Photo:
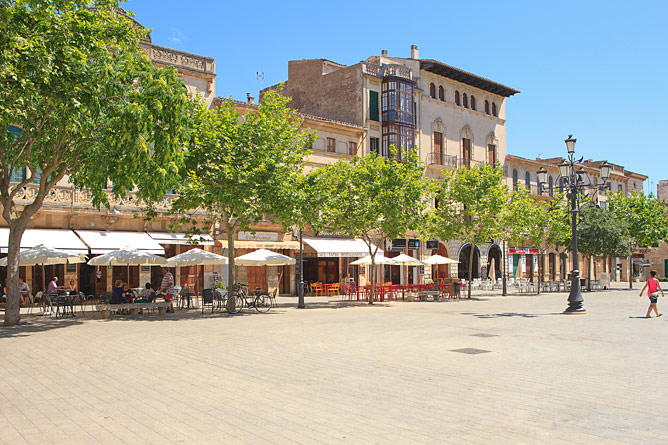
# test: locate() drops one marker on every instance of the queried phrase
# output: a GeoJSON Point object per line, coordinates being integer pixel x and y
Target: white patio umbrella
{"type": "Point", "coordinates": [127, 257]}
{"type": "Point", "coordinates": [44, 255]}
{"type": "Point", "coordinates": [379, 259]}
{"type": "Point", "coordinates": [264, 257]}
{"type": "Point", "coordinates": [405, 260]}
{"type": "Point", "coordinates": [438, 259]}
{"type": "Point", "coordinates": [196, 257]}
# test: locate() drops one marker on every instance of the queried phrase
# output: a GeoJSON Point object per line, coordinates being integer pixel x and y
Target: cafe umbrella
{"type": "Point", "coordinates": [196, 257]}
{"type": "Point", "coordinates": [127, 257]}
{"type": "Point", "coordinates": [44, 255]}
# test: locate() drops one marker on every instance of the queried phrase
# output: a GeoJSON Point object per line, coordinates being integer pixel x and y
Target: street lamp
{"type": "Point", "coordinates": [300, 271]}
{"type": "Point", "coordinates": [574, 182]}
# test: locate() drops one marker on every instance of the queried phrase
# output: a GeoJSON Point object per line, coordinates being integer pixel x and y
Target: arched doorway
{"type": "Point", "coordinates": [494, 253]}
{"type": "Point", "coordinates": [440, 270]}
{"type": "Point", "coordinates": [464, 255]}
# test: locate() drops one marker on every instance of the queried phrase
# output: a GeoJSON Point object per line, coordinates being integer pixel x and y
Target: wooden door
{"type": "Point", "coordinates": [257, 277]}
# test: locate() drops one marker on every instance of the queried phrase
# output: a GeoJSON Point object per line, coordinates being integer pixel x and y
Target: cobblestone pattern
{"type": "Point", "coordinates": [337, 372]}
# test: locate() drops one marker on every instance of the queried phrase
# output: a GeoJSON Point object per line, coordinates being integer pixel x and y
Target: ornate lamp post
{"type": "Point", "coordinates": [300, 271]}
{"type": "Point", "coordinates": [574, 182]}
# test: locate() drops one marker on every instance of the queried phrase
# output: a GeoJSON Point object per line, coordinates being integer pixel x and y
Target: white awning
{"type": "Point", "coordinates": [61, 239]}
{"type": "Point", "coordinates": [180, 238]}
{"type": "Point", "coordinates": [101, 242]}
{"type": "Point", "coordinates": [337, 247]}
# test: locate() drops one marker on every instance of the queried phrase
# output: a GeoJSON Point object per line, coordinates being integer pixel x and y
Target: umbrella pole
{"type": "Point", "coordinates": [43, 288]}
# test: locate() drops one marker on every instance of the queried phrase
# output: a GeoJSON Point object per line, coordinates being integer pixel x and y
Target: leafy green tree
{"type": "Point", "coordinates": [601, 233]}
{"type": "Point", "coordinates": [536, 223]}
{"type": "Point", "coordinates": [646, 217]}
{"type": "Point", "coordinates": [471, 203]}
{"type": "Point", "coordinates": [373, 198]}
{"type": "Point", "coordinates": [240, 168]}
{"type": "Point", "coordinates": [82, 101]}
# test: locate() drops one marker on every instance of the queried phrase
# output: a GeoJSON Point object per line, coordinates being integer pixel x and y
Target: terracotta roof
{"type": "Point", "coordinates": [451, 72]}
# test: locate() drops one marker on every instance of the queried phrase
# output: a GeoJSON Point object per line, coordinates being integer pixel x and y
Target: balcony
{"type": "Point", "coordinates": [387, 70]}
{"type": "Point", "coordinates": [437, 158]}
{"type": "Point", "coordinates": [69, 197]}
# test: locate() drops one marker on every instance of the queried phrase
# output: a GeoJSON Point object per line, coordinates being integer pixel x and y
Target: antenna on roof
{"type": "Point", "coordinates": [260, 77]}
{"type": "Point", "coordinates": [540, 154]}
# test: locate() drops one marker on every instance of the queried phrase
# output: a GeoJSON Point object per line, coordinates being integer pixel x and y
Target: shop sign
{"type": "Point", "coordinates": [413, 244]}
{"type": "Point", "coordinates": [258, 236]}
{"type": "Point", "coordinates": [432, 244]}
{"type": "Point", "coordinates": [399, 243]}
{"type": "Point", "coordinates": [523, 250]}
{"type": "Point", "coordinates": [524, 263]}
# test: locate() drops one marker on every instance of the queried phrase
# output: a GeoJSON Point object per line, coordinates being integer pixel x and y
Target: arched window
{"type": "Point", "coordinates": [487, 106]}
{"type": "Point", "coordinates": [472, 102]}
{"type": "Point", "coordinates": [441, 93]}
{"type": "Point", "coordinates": [550, 186]}
{"type": "Point", "coordinates": [527, 181]}
{"type": "Point", "coordinates": [515, 179]}
{"type": "Point", "coordinates": [494, 109]}
{"type": "Point", "coordinates": [457, 98]}
{"type": "Point", "coordinates": [465, 100]}
{"type": "Point", "coordinates": [432, 90]}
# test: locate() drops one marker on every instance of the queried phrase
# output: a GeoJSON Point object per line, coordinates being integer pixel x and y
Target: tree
{"type": "Point", "coordinates": [471, 202]}
{"type": "Point", "coordinates": [82, 101]}
{"type": "Point", "coordinates": [537, 223]}
{"type": "Point", "coordinates": [240, 168]}
{"type": "Point", "coordinates": [373, 198]}
{"type": "Point", "coordinates": [646, 217]}
{"type": "Point", "coordinates": [601, 233]}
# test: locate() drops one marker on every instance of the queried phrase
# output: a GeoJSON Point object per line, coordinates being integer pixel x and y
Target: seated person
{"type": "Point", "coordinates": [72, 289]}
{"type": "Point", "coordinates": [129, 294]}
{"type": "Point", "coordinates": [24, 290]}
{"type": "Point", "coordinates": [147, 295]}
{"type": "Point", "coordinates": [118, 294]}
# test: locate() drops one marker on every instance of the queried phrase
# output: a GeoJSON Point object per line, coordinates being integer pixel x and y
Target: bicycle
{"type": "Point", "coordinates": [236, 302]}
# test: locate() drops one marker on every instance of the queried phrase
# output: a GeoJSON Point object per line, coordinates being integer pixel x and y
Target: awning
{"type": "Point", "coordinates": [101, 242]}
{"type": "Point", "coordinates": [180, 238]}
{"type": "Point", "coordinates": [337, 247]}
{"type": "Point", "coordinates": [271, 245]}
{"type": "Point", "coordinates": [62, 239]}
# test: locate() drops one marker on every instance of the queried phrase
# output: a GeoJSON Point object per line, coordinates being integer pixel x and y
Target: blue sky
{"type": "Point", "coordinates": [595, 69]}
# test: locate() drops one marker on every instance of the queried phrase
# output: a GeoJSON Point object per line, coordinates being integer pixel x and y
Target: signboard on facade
{"type": "Point", "coordinates": [432, 244]}
{"type": "Point", "coordinates": [413, 244]}
{"type": "Point", "coordinates": [523, 250]}
{"type": "Point", "coordinates": [399, 243]}
{"type": "Point", "coordinates": [523, 261]}
{"type": "Point", "coordinates": [258, 236]}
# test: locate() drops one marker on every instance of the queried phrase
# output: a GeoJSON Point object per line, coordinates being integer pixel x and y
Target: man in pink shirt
{"type": "Point", "coordinates": [167, 286]}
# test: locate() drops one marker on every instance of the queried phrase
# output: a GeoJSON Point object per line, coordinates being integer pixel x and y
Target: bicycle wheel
{"type": "Point", "coordinates": [262, 303]}
{"type": "Point", "coordinates": [234, 304]}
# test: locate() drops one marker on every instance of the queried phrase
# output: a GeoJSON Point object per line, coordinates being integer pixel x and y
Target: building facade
{"type": "Point", "coordinates": [454, 118]}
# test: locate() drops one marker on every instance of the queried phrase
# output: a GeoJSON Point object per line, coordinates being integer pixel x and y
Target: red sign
{"type": "Point", "coordinates": [523, 250]}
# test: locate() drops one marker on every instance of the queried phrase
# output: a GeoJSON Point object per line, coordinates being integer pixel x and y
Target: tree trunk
{"type": "Point", "coordinates": [13, 306]}
{"type": "Point", "coordinates": [589, 260]}
{"type": "Point", "coordinates": [231, 270]}
{"type": "Point", "coordinates": [540, 270]}
{"type": "Point", "coordinates": [471, 269]}
{"type": "Point", "coordinates": [373, 278]}
{"type": "Point", "coordinates": [630, 268]}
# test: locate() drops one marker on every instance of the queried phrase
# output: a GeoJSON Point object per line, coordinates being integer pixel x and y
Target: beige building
{"type": "Point", "coordinates": [455, 118]}
{"type": "Point", "coordinates": [521, 172]}
{"type": "Point", "coordinates": [68, 220]}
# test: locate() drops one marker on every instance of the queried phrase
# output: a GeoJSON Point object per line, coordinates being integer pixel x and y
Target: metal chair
{"type": "Point", "coordinates": [208, 298]}
{"type": "Point", "coordinates": [80, 300]}
{"type": "Point", "coordinates": [50, 302]}
{"type": "Point", "coordinates": [272, 297]}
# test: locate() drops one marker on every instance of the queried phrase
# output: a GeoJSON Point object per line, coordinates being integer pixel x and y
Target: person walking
{"type": "Point", "coordinates": [653, 288]}
{"type": "Point", "coordinates": [167, 286]}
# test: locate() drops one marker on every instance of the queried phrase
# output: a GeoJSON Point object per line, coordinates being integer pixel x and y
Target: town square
{"type": "Point", "coordinates": [273, 227]}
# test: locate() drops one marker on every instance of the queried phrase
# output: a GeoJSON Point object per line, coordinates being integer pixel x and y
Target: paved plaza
{"type": "Point", "coordinates": [340, 372]}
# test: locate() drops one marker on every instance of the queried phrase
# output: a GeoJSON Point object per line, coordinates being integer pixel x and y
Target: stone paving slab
{"type": "Point", "coordinates": [342, 372]}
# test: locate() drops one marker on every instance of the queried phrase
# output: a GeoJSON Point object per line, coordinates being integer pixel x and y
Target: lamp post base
{"type": "Point", "coordinates": [575, 299]}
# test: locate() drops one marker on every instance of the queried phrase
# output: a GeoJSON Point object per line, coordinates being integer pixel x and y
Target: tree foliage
{"type": "Point", "coordinates": [240, 168]}
{"type": "Point", "coordinates": [471, 204]}
{"type": "Point", "coordinates": [88, 104]}
{"type": "Point", "coordinates": [373, 198]}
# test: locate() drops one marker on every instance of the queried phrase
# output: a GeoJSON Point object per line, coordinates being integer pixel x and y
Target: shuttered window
{"type": "Point", "coordinates": [373, 106]}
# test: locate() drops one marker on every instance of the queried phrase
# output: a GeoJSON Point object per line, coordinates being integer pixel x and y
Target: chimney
{"type": "Point", "coordinates": [383, 53]}
{"type": "Point", "coordinates": [251, 99]}
{"type": "Point", "coordinates": [414, 52]}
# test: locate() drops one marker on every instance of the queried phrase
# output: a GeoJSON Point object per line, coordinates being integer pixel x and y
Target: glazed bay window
{"type": "Point", "coordinates": [401, 136]}
{"type": "Point", "coordinates": [331, 145]}
{"type": "Point", "coordinates": [398, 113]}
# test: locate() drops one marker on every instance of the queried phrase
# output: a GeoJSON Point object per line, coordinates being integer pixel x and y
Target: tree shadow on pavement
{"type": "Point", "coordinates": [514, 314]}
{"type": "Point", "coordinates": [34, 325]}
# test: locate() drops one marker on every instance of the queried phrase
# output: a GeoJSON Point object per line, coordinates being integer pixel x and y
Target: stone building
{"type": "Point", "coordinates": [455, 118]}
{"type": "Point", "coordinates": [68, 220]}
{"type": "Point", "coordinates": [521, 172]}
